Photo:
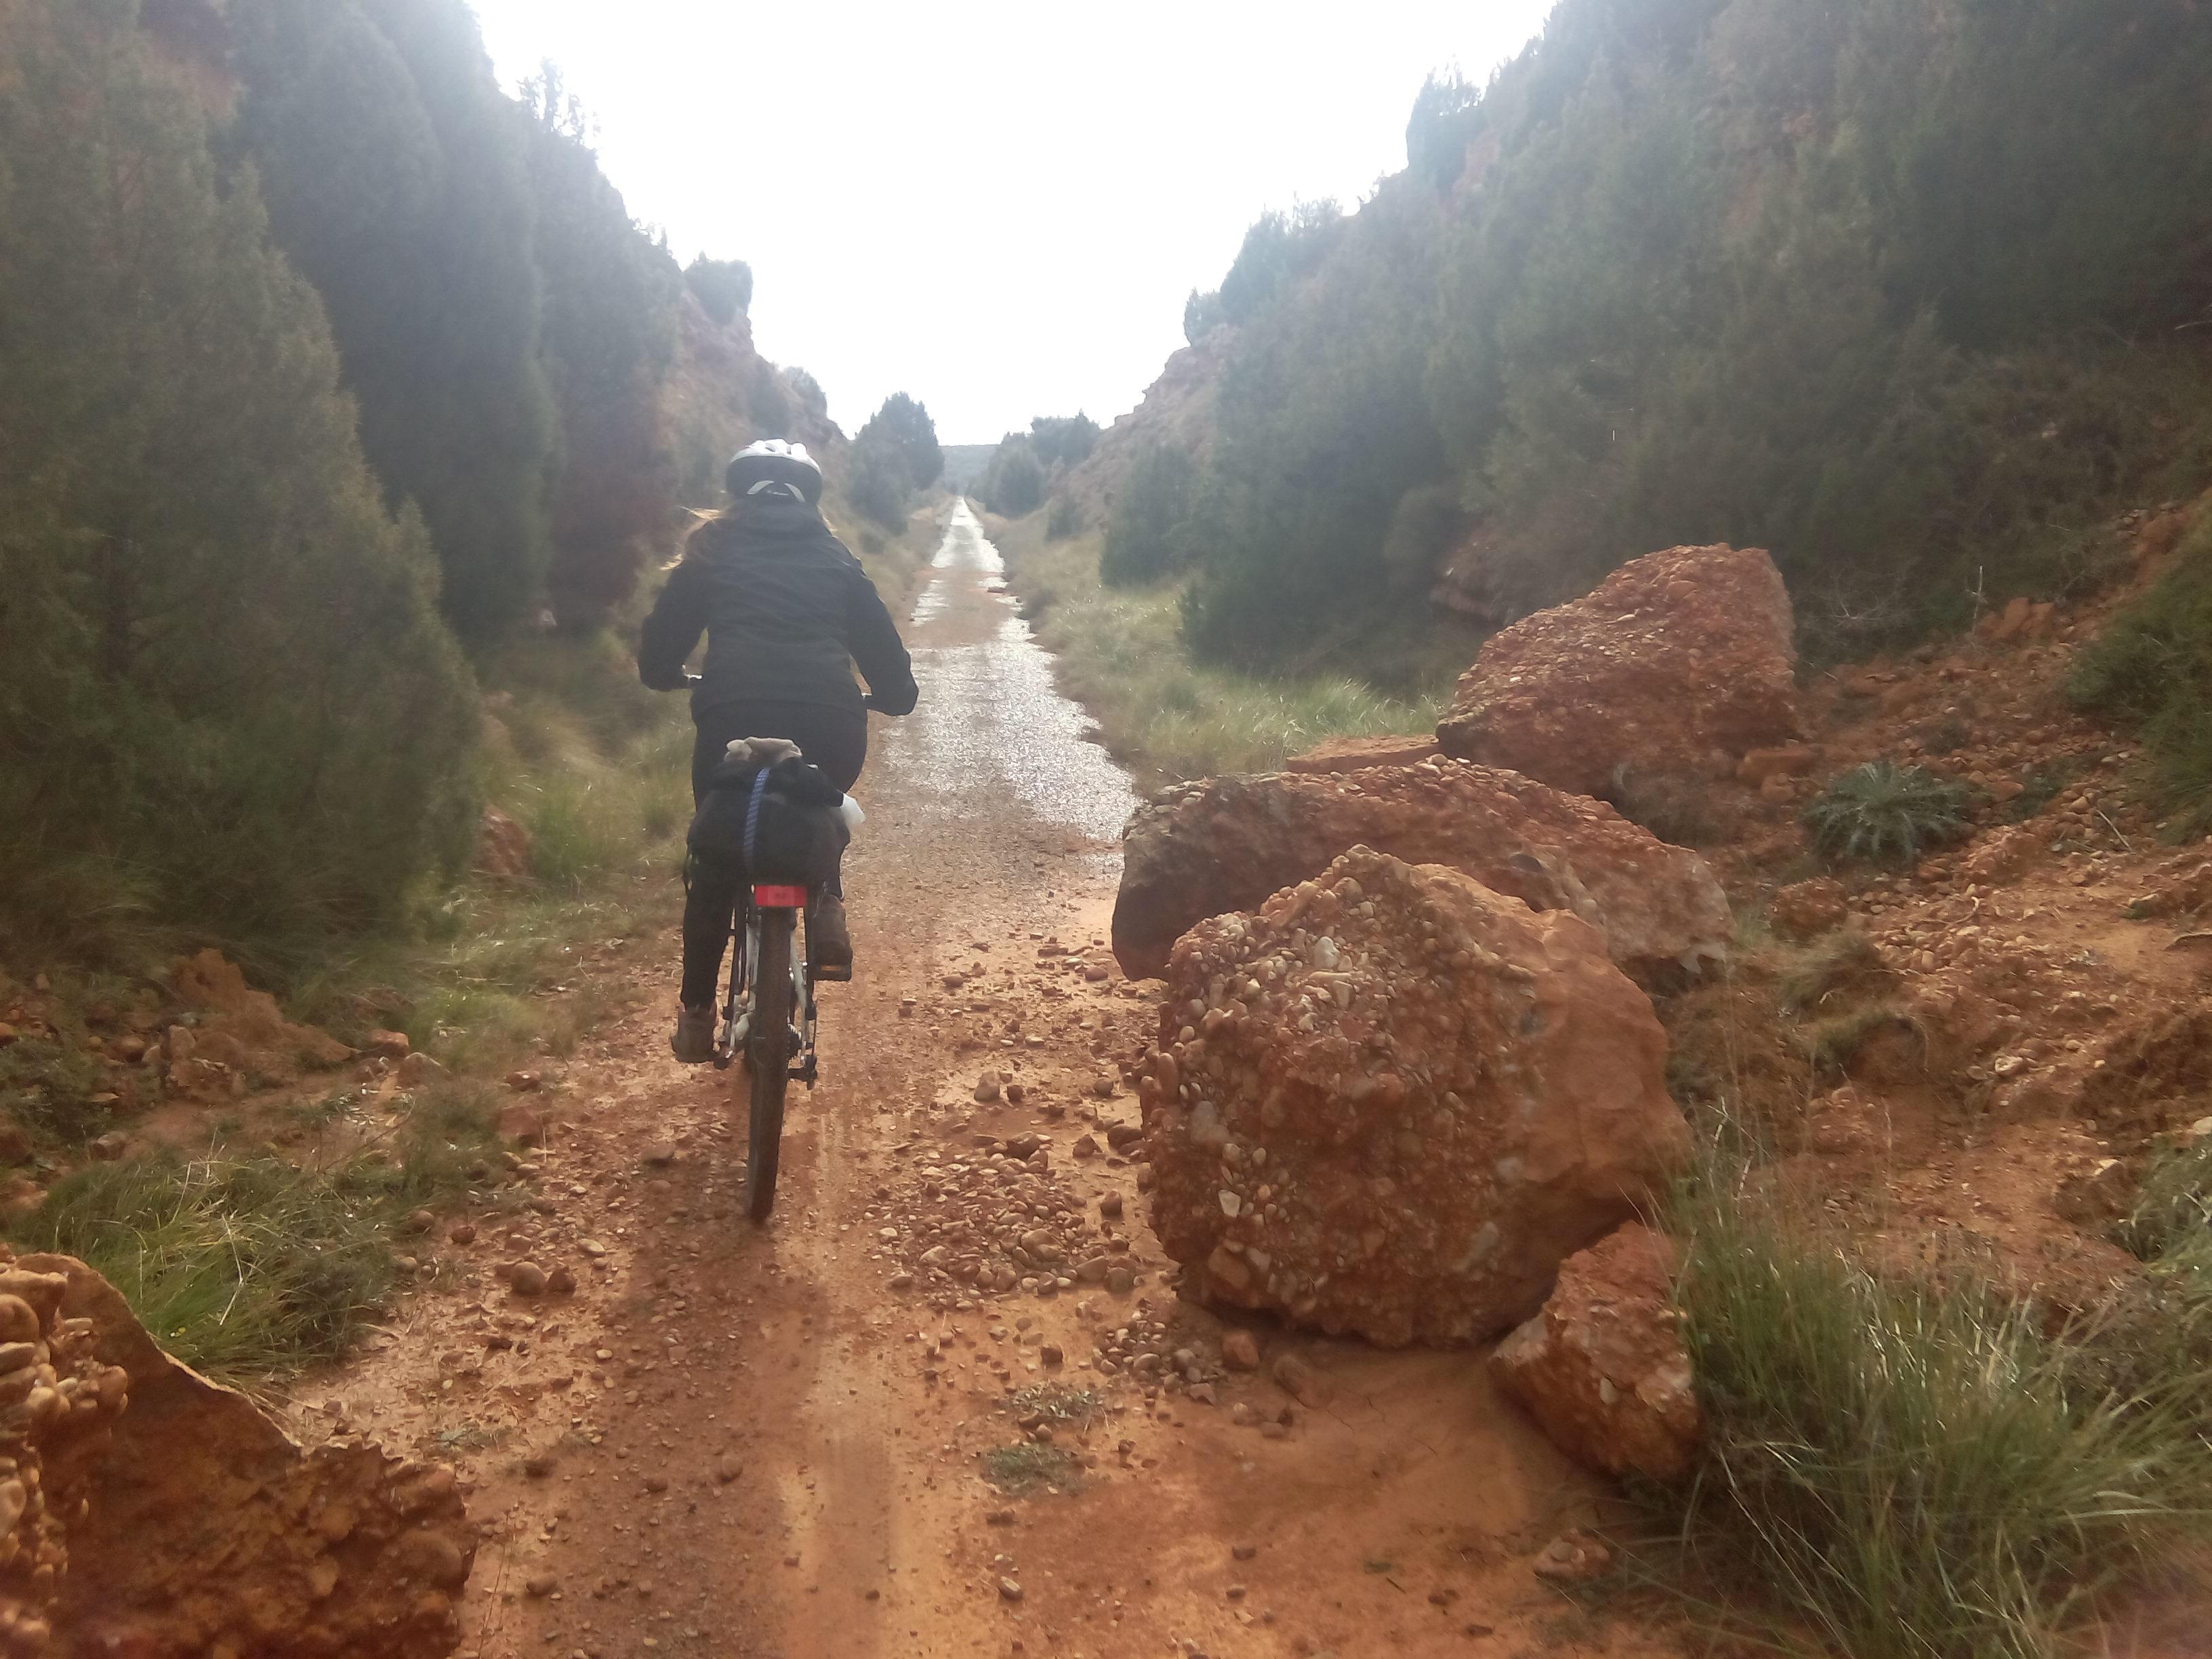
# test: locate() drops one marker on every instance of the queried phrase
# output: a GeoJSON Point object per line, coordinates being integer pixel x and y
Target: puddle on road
{"type": "Point", "coordinates": [991, 719]}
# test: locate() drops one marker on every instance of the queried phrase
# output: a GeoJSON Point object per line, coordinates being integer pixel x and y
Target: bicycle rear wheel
{"type": "Point", "coordinates": [768, 1049]}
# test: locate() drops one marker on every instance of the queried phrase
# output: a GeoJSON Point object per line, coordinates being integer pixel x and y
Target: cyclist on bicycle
{"type": "Point", "coordinates": [787, 611]}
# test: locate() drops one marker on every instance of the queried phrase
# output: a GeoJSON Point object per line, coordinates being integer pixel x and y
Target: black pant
{"type": "Point", "coordinates": [835, 740]}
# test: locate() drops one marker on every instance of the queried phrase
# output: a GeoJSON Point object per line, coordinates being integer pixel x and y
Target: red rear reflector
{"type": "Point", "coordinates": [779, 898]}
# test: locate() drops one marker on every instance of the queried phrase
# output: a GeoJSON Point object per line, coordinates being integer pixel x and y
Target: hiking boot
{"type": "Point", "coordinates": [694, 1042]}
{"type": "Point", "coordinates": [828, 945]}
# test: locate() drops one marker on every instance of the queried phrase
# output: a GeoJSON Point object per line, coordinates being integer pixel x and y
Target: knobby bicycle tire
{"type": "Point", "coordinates": [769, 1051]}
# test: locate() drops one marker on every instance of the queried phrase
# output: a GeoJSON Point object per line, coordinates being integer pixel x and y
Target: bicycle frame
{"type": "Point", "coordinates": [738, 1003]}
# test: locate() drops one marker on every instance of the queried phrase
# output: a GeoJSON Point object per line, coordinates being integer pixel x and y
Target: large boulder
{"type": "Point", "coordinates": [1679, 665]}
{"type": "Point", "coordinates": [1392, 1102]}
{"type": "Point", "coordinates": [1227, 844]}
{"type": "Point", "coordinates": [1604, 1369]}
{"type": "Point", "coordinates": [197, 1526]}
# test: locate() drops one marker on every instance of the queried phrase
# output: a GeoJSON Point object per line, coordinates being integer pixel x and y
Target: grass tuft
{"type": "Point", "coordinates": [2172, 1215]}
{"type": "Point", "coordinates": [1021, 1468]}
{"type": "Point", "coordinates": [2152, 670]}
{"type": "Point", "coordinates": [1913, 1472]}
{"type": "Point", "coordinates": [1883, 812]}
{"type": "Point", "coordinates": [1841, 966]}
{"type": "Point", "coordinates": [243, 1269]}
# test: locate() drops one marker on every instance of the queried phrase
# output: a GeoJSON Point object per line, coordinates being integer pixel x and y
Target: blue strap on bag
{"type": "Point", "coordinates": [752, 820]}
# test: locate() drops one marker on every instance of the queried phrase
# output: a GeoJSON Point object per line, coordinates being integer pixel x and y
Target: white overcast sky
{"type": "Point", "coordinates": [998, 207]}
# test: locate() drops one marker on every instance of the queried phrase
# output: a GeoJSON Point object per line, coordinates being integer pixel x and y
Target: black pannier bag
{"type": "Point", "coordinates": [775, 823]}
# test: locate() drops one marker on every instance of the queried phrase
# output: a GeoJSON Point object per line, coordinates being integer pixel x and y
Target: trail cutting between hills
{"type": "Point", "coordinates": [731, 1440]}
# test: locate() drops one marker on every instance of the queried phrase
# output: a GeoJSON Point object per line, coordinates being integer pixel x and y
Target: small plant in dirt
{"type": "Point", "coordinates": [1882, 813]}
{"type": "Point", "coordinates": [2039, 787]}
{"type": "Point", "coordinates": [2172, 1211]}
{"type": "Point", "coordinates": [1909, 1470]}
{"type": "Point", "coordinates": [1054, 1403]}
{"type": "Point", "coordinates": [1022, 1468]}
{"type": "Point", "coordinates": [1839, 968]}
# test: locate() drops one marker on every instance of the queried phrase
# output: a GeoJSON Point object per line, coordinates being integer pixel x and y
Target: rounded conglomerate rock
{"type": "Point", "coordinates": [1392, 1102]}
{"type": "Point", "coordinates": [1676, 658]}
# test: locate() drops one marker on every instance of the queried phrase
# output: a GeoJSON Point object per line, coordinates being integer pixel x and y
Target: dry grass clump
{"type": "Point", "coordinates": [1913, 1471]}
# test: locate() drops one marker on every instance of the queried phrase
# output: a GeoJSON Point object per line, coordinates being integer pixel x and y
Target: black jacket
{"type": "Point", "coordinates": [785, 609]}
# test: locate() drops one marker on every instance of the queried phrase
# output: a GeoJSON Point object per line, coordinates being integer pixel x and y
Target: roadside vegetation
{"type": "Point", "coordinates": [1882, 813]}
{"type": "Point", "coordinates": [1906, 1456]}
{"type": "Point", "coordinates": [1120, 652]}
{"type": "Point", "coordinates": [2152, 670]}
{"type": "Point", "coordinates": [1912, 1468]}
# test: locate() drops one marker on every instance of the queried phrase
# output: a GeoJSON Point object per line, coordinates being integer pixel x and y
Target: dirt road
{"type": "Point", "coordinates": [733, 1442]}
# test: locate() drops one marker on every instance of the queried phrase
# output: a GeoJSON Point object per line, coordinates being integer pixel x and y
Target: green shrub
{"type": "Point", "coordinates": [724, 288]}
{"type": "Point", "coordinates": [902, 429]}
{"type": "Point", "coordinates": [1911, 1471]}
{"type": "Point", "coordinates": [1148, 536]}
{"type": "Point", "coordinates": [2152, 670]}
{"type": "Point", "coordinates": [2172, 1210]}
{"type": "Point", "coordinates": [1909, 302]}
{"type": "Point", "coordinates": [1014, 483]}
{"type": "Point", "coordinates": [1065, 520]}
{"type": "Point", "coordinates": [877, 484]}
{"type": "Point", "coordinates": [1201, 315]}
{"type": "Point", "coordinates": [397, 173]}
{"type": "Point", "coordinates": [226, 701]}
{"type": "Point", "coordinates": [1064, 440]}
{"type": "Point", "coordinates": [47, 1087]}
{"type": "Point", "coordinates": [1884, 812]}
{"type": "Point", "coordinates": [244, 1268]}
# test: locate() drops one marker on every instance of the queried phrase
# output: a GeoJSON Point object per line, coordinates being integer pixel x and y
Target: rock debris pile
{"type": "Point", "coordinates": [191, 1524]}
{"type": "Point", "coordinates": [1391, 1102]}
{"type": "Point", "coordinates": [998, 1222]}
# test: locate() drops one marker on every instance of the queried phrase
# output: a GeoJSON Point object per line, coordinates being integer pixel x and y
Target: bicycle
{"type": "Point", "coordinates": [769, 983]}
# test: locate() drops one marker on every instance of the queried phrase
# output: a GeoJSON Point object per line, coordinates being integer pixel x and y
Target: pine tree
{"type": "Point", "coordinates": [903, 425]}
{"type": "Point", "coordinates": [610, 337]}
{"type": "Point", "coordinates": [397, 176]}
{"type": "Point", "coordinates": [227, 701]}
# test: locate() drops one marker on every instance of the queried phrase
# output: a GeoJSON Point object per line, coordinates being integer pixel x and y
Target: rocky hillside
{"type": "Point", "coordinates": [1176, 411]}
{"type": "Point", "coordinates": [1887, 963]}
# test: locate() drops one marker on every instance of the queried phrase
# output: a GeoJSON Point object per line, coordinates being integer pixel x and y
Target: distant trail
{"type": "Point", "coordinates": [751, 1444]}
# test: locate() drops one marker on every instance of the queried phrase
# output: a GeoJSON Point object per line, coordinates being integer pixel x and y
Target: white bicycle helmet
{"type": "Point", "coordinates": [773, 467]}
